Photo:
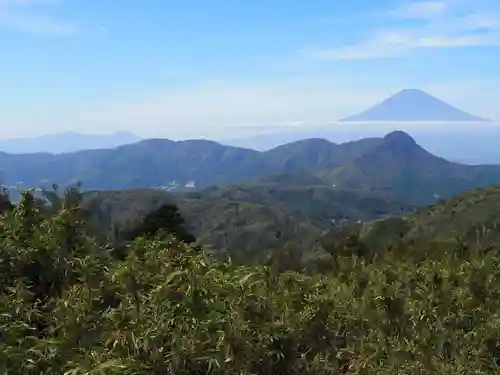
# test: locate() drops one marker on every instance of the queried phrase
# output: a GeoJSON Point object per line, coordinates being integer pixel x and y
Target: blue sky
{"type": "Point", "coordinates": [191, 68]}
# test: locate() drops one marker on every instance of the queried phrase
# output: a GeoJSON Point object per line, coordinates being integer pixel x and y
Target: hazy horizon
{"type": "Point", "coordinates": [350, 130]}
{"type": "Point", "coordinates": [180, 69]}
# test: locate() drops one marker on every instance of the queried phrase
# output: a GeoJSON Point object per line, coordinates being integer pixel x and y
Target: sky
{"type": "Point", "coordinates": [224, 68]}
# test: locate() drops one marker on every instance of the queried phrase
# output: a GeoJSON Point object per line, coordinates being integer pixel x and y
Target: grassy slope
{"type": "Point", "coordinates": [469, 215]}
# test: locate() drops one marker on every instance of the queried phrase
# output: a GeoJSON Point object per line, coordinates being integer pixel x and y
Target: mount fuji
{"type": "Point", "coordinates": [413, 105]}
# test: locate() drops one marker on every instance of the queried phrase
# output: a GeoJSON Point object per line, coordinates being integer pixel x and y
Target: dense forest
{"type": "Point", "coordinates": [154, 302]}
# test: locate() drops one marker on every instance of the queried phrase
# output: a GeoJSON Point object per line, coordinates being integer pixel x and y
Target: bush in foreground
{"type": "Point", "coordinates": [67, 307]}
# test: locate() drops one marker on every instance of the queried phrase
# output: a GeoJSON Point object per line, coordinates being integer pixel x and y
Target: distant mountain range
{"type": "Point", "coordinates": [470, 143]}
{"type": "Point", "coordinates": [394, 165]}
{"type": "Point", "coordinates": [439, 127]}
{"type": "Point", "coordinates": [413, 105]}
{"type": "Point", "coordinates": [67, 142]}
{"type": "Point", "coordinates": [163, 163]}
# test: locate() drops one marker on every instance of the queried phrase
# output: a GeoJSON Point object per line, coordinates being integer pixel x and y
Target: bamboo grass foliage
{"type": "Point", "coordinates": [67, 306]}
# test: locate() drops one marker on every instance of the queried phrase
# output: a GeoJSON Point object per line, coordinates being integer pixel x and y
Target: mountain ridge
{"type": "Point", "coordinates": [394, 165]}
{"type": "Point", "coordinates": [404, 169]}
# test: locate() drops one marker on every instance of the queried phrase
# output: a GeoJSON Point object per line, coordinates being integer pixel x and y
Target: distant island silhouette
{"type": "Point", "coordinates": [413, 105]}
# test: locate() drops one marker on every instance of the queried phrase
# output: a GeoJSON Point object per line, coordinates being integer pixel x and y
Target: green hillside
{"type": "Point", "coordinates": [248, 218]}
{"type": "Point", "coordinates": [320, 204]}
{"type": "Point", "coordinates": [472, 218]}
{"type": "Point", "coordinates": [239, 227]}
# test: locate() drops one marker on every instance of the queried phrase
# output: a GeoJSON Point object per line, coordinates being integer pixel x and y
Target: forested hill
{"type": "Point", "coordinates": [394, 165]}
{"type": "Point", "coordinates": [248, 220]}
{"type": "Point", "coordinates": [164, 163]}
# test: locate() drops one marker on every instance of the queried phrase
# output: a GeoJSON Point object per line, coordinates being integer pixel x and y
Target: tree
{"type": "Point", "coordinates": [166, 218]}
{"type": "Point", "coordinates": [5, 203]}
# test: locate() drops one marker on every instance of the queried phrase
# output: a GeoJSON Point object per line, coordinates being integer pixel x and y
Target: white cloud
{"type": "Point", "coordinates": [440, 24]}
{"type": "Point", "coordinates": [421, 10]}
{"type": "Point", "coordinates": [24, 16]}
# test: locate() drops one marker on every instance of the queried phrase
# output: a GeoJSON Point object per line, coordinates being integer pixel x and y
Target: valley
{"type": "Point", "coordinates": [250, 219]}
